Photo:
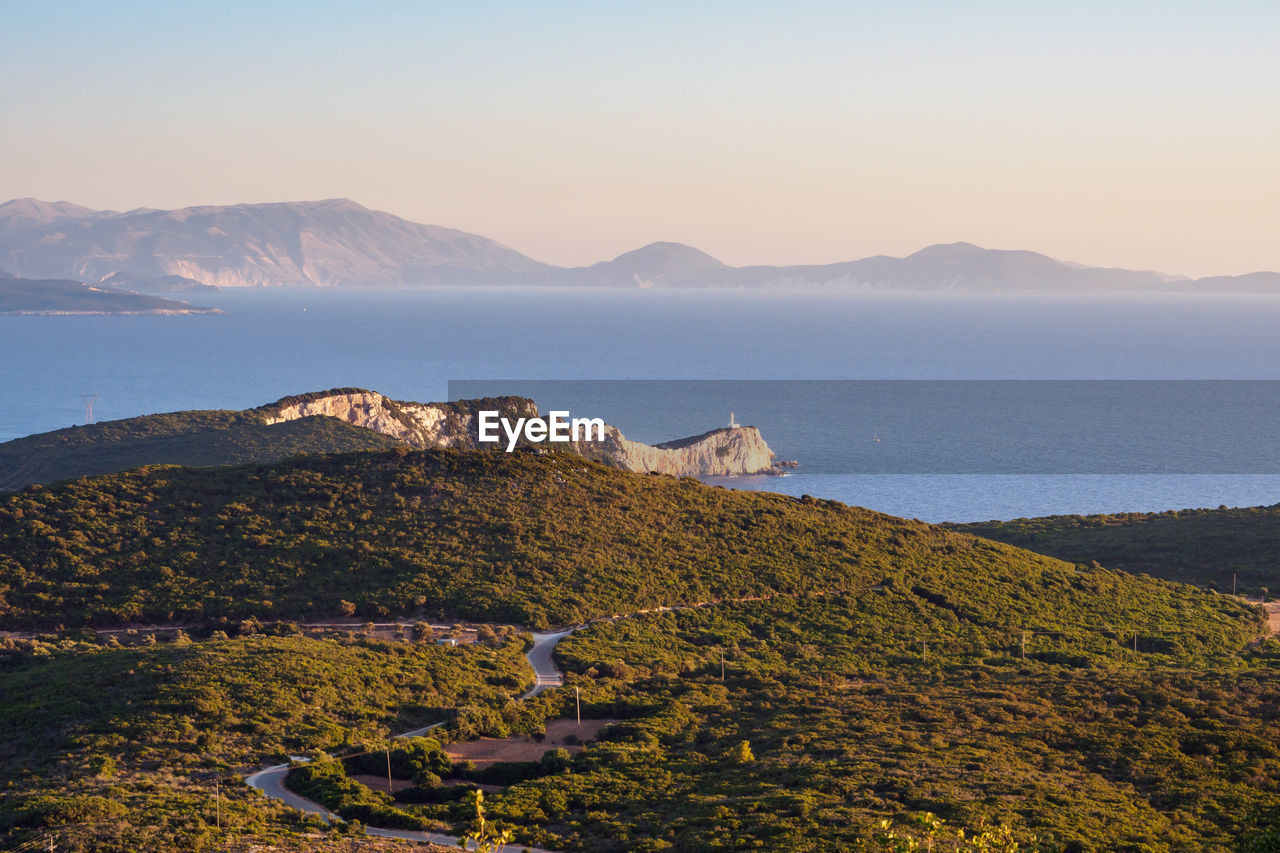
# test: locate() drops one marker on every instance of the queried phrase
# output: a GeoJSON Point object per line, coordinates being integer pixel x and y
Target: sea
{"type": "Point", "coordinates": [937, 406]}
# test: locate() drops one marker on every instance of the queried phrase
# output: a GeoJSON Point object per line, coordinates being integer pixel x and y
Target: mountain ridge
{"type": "Point", "coordinates": [339, 242]}
{"type": "Point", "coordinates": [323, 243]}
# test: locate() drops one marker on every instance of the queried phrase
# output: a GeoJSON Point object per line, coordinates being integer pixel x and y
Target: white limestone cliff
{"type": "Point", "coordinates": [724, 452]}
{"type": "Point", "coordinates": [421, 425]}
{"type": "Point", "coordinates": [719, 453]}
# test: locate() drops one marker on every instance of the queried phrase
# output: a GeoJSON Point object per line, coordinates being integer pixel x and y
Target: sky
{"type": "Point", "coordinates": [1136, 134]}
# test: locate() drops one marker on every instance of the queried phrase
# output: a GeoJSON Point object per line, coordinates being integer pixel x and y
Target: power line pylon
{"type": "Point", "coordinates": [89, 400]}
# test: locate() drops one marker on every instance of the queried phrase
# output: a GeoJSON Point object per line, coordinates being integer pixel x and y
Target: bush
{"type": "Point", "coordinates": [57, 811]}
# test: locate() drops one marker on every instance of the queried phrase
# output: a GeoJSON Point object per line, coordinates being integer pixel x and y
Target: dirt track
{"type": "Point", "coordinates": [1273, 615]}
{"type": "Point", "coordinates": [522, 747]}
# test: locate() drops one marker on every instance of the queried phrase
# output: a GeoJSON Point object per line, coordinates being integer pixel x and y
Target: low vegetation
{"type": "Point", "coordinates": [1218, 548]}
{"type": "Point", "coordinates": [872, 721]}
{"type": "Point", "coordinates": [124, 747]}
{"type": "Point", "coordinates": [878, 706]}
{"type": "Point", "coordinates": [845, 680]}
{"type": "Point", "coordinates": [224, 438]}
{"type": "Point", "coordinates": [181, 438]}
{"type": "Point", "coordinates": [536, 539]}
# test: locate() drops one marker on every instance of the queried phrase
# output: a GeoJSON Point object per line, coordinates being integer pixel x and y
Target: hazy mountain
{"type": "Point", "coordinates": [960, 267]}
{"type": "Point", "coordinates": [654, 264]}
{"type": "Point", "coordinates": [338, 242]}
{"type": "Point", "coordinates": [950, 267]}
{"type": "Point", "coordinates": [1254, 282]}
{"type": "Point", "coordinates": [299, 243]}
{"type": "Point", "coordinates": [33, 211]}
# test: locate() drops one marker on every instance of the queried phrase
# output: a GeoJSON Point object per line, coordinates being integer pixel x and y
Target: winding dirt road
{"type": "Point", "coordinates": [270, 780]}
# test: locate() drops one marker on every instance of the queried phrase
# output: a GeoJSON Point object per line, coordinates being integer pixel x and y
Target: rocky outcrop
{"type": "Point", "coordinates": [724, 452]}
{"type": "Point", "coordinates": [719, 453]}
{"type": "Point", "coordinates": [421, 425]}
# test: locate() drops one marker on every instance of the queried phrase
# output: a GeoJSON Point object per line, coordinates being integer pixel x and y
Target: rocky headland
{"type": "Point", "coordinates": [725, 452]}
{"type": "Point", "coordinates": [56, 296]}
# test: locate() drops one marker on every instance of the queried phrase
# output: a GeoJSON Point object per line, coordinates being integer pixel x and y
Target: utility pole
{"type": "Point", "coordinates": [1233, 583]}
{"type": "Point", "coordinates": [1024, 645]}
{"type": "Point", "coordinates": [722, 665]}
{"type": "Point", "coordinates": [388, 768]}
{"type": "Point", "coordinates": [577, 698]}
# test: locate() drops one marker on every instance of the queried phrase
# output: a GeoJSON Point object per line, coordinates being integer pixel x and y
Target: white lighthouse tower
{"type": "Point", "coordinates": [733, 424]}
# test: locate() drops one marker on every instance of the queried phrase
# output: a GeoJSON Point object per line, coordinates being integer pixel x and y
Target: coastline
{"type": "Point", "coordinates": [152, 312]}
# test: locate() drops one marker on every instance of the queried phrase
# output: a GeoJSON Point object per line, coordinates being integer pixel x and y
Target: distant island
{"type": "Point", "coordinates": [337, 242]}
{"type": "Point", "coordinates": [60, 296]}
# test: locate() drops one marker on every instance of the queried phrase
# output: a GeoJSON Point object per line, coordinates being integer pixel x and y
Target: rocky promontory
{"type": "Point", "coordinates": [726, 452]}
{"type": "Point", "coordinates": [348, 420]}
{"type": "Point", "coordinates": [420, 425]}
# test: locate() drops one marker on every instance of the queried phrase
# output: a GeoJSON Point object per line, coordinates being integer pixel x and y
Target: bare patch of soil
{"type": "Point", "coordinates": [1273, 615]}
{"type": "Point", "coordinates": [379, 783]}
{"type": "Point", "coordinates": [523, 747]}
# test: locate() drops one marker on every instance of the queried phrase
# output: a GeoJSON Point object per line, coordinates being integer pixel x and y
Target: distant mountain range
{"type": "Point", "coordinates": [340, 243]}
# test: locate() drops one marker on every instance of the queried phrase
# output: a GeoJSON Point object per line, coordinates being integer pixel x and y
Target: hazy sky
{"type": "Point", "coordinates": [1117, 133]}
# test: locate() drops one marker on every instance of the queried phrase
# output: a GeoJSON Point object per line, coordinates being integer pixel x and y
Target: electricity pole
{"type": "Point", "coordinates": [89, 400]}
{"type": "Point", "coordinates": [722, 665]}
{"type": "Point", "coordinates": [577, 698]}
{"type": "Point", "coordinates": [388, 768]}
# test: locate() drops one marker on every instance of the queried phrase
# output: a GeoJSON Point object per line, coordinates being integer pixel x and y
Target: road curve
{"type": "Point", "coordinates": [270, 780]}
{"type": "Point", "coordinates": [545, 673]}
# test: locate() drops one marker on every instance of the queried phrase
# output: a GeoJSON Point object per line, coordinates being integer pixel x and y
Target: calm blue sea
{"type": "Point", "coordinates": [411, 344]}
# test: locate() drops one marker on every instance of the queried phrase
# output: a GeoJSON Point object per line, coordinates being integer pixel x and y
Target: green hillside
{"type": "Point", "coordinates": [219, 437]}
{"type": "Point", "coordinates": [868, 707]}
{"type": "Point", "coordinates": [889, 668]}
{"type": "Point", "coordinates": [530, 538]}
{"type": "Point", "coordinates": [1199, 546]}
{"type": "Point", "coordinates": [116, 747]}
{"type": "Point", "coordinates": [180, 438]}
